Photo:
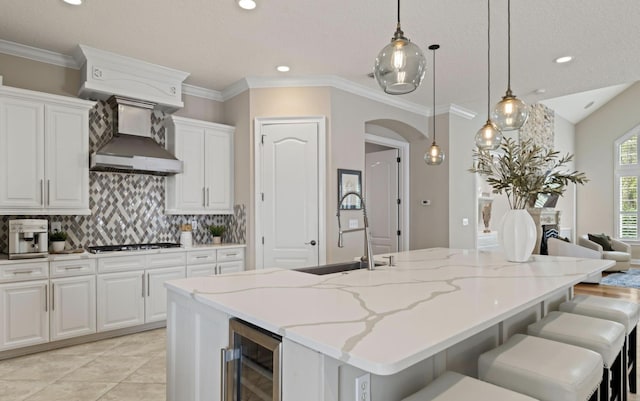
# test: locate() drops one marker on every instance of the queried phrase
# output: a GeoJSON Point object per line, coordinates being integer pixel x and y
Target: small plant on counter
{"type": "Point", "coordinates": [58, 236]}
{"type": "Point", "coordinates": [216, 233]}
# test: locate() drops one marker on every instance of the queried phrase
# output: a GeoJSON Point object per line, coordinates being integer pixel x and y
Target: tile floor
{"type": "Point", "coordinates": [128, 368]}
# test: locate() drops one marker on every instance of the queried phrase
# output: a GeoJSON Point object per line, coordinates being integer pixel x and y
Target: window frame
{"type": "Point", "coordinates": [620, 171]}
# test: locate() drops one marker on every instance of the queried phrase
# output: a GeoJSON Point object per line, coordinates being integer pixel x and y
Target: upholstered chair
{"type": "Point", "coordinates": [621, 252]}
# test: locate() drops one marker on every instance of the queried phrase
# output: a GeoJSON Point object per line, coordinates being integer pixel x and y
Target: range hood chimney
{"type": "Point", "coordinates": [132, 150]}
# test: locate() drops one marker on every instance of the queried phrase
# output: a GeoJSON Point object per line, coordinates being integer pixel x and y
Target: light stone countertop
{"type": "Point", "coordinates": [385, 320]}
{"type": "Point", "coordinates": [4, 258]}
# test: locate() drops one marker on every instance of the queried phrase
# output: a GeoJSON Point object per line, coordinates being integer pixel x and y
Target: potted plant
{"type": "Point", "coordinates": [216, 233]}
{"type": "Point", "coordinates": [522, 170]}
{"type": "Point", "coordinates": [58, 240]}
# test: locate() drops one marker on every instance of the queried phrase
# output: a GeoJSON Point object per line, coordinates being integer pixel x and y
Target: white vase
{"type": "Point", "coordinates": [517, 235]}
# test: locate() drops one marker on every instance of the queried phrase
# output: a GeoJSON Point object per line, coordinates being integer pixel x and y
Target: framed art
{"type": "Point", "coordinates": [349, 181]}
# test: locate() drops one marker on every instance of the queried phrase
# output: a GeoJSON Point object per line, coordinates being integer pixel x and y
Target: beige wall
{"type": "Point", "coordinates": [33, 75]}
{"type": "Point", "coordinates": [201, 109]}
{"type": "Point", "coordinates": [594, 143]}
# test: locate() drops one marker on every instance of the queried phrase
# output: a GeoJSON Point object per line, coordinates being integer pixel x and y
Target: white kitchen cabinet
{"type": "Point", "coordinates": [209, 262]}
{"type": "Point", "coordinates": [230, 267]}
{"type": "Point", "coordinates": [120, 300]}
{"type": "Point", "coordinates": [44, 149]}
{"type": "Point", "coordinates": [202, 270]}
{"type": "Point", "coordinates": [156, 296]}
{"type": "Point", "coordinates": [206, 184]}
{"type": "Point", "coordinates": [73, 306]}
{"type": "Point", "coordinates": [24, 314]}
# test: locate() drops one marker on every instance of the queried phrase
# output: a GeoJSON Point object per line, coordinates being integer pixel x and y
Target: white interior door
{"type": "Point", "coordinates": [381, 193]}
{"type": "Point", "coordinates": [289, 176]}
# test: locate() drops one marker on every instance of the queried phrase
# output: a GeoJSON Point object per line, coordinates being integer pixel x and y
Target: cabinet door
{"type": "Point", "coordinates": [120, 300]}
{"type": "Point", "coordinates": [156, 297]}
{"type": "Point", "coordinates": [219, 170]}
{"type": "Point", "coordinates": [24, 316]}
{"type": "Point", "coordinates": [67, 164]}
{"type": "Point", "coordinates": [201, 270]}
{"type": "Point", "coordinates": [73, 307]}
{"type": "Point", "coordinates": [230, 267]}
{"type": "Point", "coordinates": [190, 185]}
{"type": "Point", "coordinates": [21, 154]}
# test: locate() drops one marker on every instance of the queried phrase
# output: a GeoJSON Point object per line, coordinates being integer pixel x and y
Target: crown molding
{"type": "Point", "coordinates": [49, 57]}
{"type": "Point", "coordinates": [36, 54]}
{"type": "Point", "coordinates": [204, 93]}
{"type": "Point", "coordinates": [462, 112]}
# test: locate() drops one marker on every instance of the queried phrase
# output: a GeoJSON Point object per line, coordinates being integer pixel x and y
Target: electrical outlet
{"type": "Point", "coordinates": [56, 226]}
{"type": "Point", "coordinates": [194, 225]}
{"type": "Point", "coordinates": [465, 221]}
{"type": "Point", "coordinates": [363, 387]}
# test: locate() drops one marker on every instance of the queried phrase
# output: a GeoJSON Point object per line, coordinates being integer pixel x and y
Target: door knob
{"type": "Point", "coordinates": [312, 243]}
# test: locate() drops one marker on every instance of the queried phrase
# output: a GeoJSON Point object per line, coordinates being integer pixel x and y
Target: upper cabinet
{"type": "Point", "coordinates": [44, 153]}
{"type": "Point", "coordinates": [206, 185]}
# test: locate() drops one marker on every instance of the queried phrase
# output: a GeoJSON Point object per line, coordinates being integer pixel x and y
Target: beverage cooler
{"type": "Point", "coordinates": [251, 370]}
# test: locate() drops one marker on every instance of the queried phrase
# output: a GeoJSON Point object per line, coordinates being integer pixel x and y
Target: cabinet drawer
{"type": "Point", "coordinates": [200, 257]}
{"type": "Point", "coordinates": [201, 270]}
{"type": "Point", "coordinates": [227, 255]}
{"type": "Point", "coordinates": [24, 271]}
{"type": "Point", "coordinates": [78, 267]}
{"type": "Point", "coordinates": [166, 260]}
{"type": "Point", "coordinates": [122, 263]}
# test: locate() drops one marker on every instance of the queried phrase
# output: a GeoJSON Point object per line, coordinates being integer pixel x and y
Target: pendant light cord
{"type": "Point", "coordinates": [509, 45]}
{"type": "Point", "coordinates": [433, 112]}
{"type": "Point", "coordinates": [398, 14]}
{"type": "Point", "coordinates": [488, 59]}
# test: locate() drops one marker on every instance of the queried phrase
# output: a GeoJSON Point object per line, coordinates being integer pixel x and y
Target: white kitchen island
{"type": "Point", "coordinates": [436, 309]}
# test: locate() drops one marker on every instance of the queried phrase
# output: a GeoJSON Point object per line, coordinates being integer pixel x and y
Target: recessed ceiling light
{"type": "Point", "coordinates": [247, 4]}
{"type": "Point", "coordinates": [73, 2]}
{"type": "Point", "coordinates": [563, 59]}
{"type": "Point", "coordinates": [283, 68]}
{"type": "Point", "coordinates": [540, 91]}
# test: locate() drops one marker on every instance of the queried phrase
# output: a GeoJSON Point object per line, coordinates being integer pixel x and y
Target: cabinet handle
{"type": "Point", "coordinates": [46, 298]}
{"type": "Point", "coordinates": [231, 254]}
{"type": "Point", "coordinates": [53, 296]}
{"type": "Point", "coordinates": [42, 192]}
{"type": "Point", "coordinates": [23, 272]}
{"type": "Point", "coordinates": [73, 267]}
{"type": "Point", "coordinates": [207, 196]}
{"type": "Point", "coordinates": [148, 286]}
{"type": "Point", "coordinates": [142, 285]}
{"type": "Point", "coordinates": [204, 197]}
{"type": "Point", "coordinates": [48, 192]}
{"type": "Point", "coordinates": [223, 374]}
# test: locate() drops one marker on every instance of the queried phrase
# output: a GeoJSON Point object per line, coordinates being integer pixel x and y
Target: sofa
{"type": "Point", "coordinates": [558, 247]}
{"type": "Point", "coordinates": [621, 252]}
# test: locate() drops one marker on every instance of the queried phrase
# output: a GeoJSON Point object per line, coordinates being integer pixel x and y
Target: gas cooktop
{"type": "Point", "coordinates": [131, 247]}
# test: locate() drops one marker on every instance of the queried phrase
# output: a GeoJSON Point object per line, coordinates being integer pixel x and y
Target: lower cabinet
{"type": "Point", "coordinates": [231, 267]}
{"type": "Point", "coordinates": [201, 270]}
{"type": "Point", "coordinates": [134, 298]}
{"type": "Point", "coordinates": [120, 300]}
{"type": "Point", "coordinates": [156, 294]}
{"type": "Point", "coordinates": [24, 314]}
{"type": "Point", "coordinates": [73, 307]}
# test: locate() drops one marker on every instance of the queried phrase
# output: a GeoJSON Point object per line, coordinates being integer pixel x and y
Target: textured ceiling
{"type": "Point", "coordinates": [219, 43]}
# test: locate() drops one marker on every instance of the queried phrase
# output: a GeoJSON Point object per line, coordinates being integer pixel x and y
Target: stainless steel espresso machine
{"type": "Point", "coordinates": [28, 238]}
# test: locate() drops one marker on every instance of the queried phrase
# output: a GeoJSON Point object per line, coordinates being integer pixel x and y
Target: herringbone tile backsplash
{"type": "Point", "coordinates": [129, 208]}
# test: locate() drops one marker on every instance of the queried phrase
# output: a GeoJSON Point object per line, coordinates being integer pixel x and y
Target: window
{"type": "Point", "coordinates": [626, 183]}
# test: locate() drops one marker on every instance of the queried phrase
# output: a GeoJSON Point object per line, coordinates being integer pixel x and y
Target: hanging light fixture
{"type": "Point", "coordinates": [510, 113]}
{"type": "Point", "coordinates": [400, 65]}
{"type": "Point", "coordinates": [489, 136]}
{"type": "Point", "coordinates": [435, 155]}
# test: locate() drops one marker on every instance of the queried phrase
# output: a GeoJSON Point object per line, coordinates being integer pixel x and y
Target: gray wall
{"type": "Point", "coordinates": [595, 137]}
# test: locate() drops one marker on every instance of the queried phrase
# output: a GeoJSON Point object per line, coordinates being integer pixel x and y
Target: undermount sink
{"type": "Point", "coordinates": [336, 267]}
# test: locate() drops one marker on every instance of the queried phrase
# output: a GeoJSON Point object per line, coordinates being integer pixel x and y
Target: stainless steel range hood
{"type": "Point", "coordinates": [132, 149]}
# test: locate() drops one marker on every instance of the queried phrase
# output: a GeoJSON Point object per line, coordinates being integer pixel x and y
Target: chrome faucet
{"type": "Point", "coordinates": [367, 233]}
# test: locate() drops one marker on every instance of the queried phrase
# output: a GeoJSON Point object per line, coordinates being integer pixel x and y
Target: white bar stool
{"type": "Point", "coordinates": [451, 386]}
{"type": "Point", "coordinates": [602, 336]}
{"type": "Point", "coordinates": [543, 369]}
{"type": "Point", "coordinates": [626, 313]}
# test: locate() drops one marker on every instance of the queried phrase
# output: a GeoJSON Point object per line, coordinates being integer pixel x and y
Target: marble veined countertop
{"type": "Point", "coordinates": [385, 320]}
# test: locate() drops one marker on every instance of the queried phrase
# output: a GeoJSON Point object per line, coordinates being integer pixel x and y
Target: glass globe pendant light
{"type": "Point", "coordinates": [510, 113]}
{"type": "Point", "coordinates": [400, 65]}
{"type": "Point", "coordinates": [435, 155]}
{"type": "Point", "coordinates": [489, 136]}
